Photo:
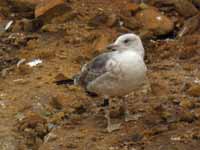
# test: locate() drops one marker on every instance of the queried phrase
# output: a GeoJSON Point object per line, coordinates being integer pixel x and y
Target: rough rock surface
{"type": "Point", "coordinates": [39, 114]}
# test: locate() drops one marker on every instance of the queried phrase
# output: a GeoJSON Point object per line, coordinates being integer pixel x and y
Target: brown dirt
{"type": "Point", "coordinates": [38, 114]}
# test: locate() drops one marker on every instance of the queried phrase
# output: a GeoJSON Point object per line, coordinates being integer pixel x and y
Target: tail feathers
{"type": "Point", "coordinates": [73, 81]}
{"type": "Point", "coordinates": [64, 82]}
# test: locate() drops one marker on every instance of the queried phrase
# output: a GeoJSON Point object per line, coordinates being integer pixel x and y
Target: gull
{"type": "Point", "coordinates": [115, 73]}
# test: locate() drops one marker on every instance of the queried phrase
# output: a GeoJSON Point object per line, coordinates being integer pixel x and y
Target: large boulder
{"type": "Point", "coordinates": [154, 21]}
{"type": "Point", "coordinates": [48, 9]}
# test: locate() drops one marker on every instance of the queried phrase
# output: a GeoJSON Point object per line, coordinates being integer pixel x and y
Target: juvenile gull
{"type": "Point", "coordinates": [115, 73]}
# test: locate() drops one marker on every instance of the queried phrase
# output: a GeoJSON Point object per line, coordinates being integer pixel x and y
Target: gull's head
{"type": "Point", "coordinates": [128, 41]}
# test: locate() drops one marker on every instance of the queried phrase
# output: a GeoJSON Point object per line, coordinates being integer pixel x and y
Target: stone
{"type": "Point", "coordinates": [190, 25]}
{"type": "Point", "coordinates": [187, 116]}
{"type": "Point", "coordinates": [130, 22]}
{"type": "Point", "coordinates": [31, 120]}
{"type": "Point", "coordinates": [133, 7]}
{"type": "Point", "coordinates": [2, 17]}
{"type": "Point", "coordinates": [194, 90]}
{"type": "Point", "coordinates": [103, 19]}
{"type": "Point", "coordinates": [112, 20]}
{"type": "Point", "coordinates": [101, 42]}
{"type": "Point", "coordinates": [197, 113]}
{"type": "Point", "coordinates": [136, 137]}
{"type": "Point", "coordinates": [159, 89]}
{"type": "Point", "coordinates": [33, 2]}
{"type": "Point", "coordinates": [24, 7]}
{"type": "Point", "coordinates": [99, 19]}
{"type": "Point", "coordinates": [159, 129]}
{"type": "Point", "coordinates": [57, 117]}
{"type": "Point", "coordinates": [23, 25]}
{"type": "Point", "coordinates": [185, 8]}
{"type": "Point", "coordinates": [2, 23]}
{"type": "Point", "coordinates": [186, 104]}
{"type": "Point", "coordinates": [47, 10]}
{"type": "Point", "coordinates": [169, 117]}
{"type": "Point", "coordinates": [56, 102]}
{"type": "Point", "coordinates": [196, 3]}
{"type": "Point", "coordinates": [152, 20]}
{"type": "Point", "coordinates": [8, 139]}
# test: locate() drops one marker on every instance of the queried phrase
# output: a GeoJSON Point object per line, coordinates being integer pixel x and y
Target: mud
{"type": "Point", "coordinates": [38, 114]}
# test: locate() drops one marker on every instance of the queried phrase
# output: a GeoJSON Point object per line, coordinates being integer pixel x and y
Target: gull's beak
{"type": "Point", "coordinates": [112, 47]}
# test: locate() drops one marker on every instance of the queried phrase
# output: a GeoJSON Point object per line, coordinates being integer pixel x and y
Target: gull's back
{"type": "Point", "coordinates": [125, 72]}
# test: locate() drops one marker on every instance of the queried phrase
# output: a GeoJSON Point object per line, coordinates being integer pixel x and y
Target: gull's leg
{"type": "Point", "coordinates": [110, 127]}
{"type": "Point", "coordinates": [127, 115]}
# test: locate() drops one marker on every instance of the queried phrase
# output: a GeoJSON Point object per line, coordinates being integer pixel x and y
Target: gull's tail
{"type": "Point", "coordinates": [73, 81]}
{"type": "Point", "coordinates": [64, 82]}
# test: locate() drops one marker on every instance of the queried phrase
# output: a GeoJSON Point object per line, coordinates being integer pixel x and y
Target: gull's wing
{"type": "Point", "coordinates": [96, 68]}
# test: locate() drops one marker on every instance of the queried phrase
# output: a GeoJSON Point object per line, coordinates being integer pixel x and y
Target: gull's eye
{"type": "Point", "coordinates": [126, 41]}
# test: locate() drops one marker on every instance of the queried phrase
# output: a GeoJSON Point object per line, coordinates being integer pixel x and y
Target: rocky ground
{"type": "Point", "coordinates": [38, 114]}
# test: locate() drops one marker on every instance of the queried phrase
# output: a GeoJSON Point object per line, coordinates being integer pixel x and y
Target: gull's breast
{"type": "Point", "coordinates": [133, 70]}
{"type": "Point", "coordinates": [130, 74]}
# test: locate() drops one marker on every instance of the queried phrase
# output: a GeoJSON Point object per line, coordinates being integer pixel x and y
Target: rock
{"type": "Point", "coordinates": [185, 8]}
{"type": "Point", "coordinates": [136, 137]}
{"type": "Point", "coordinates": [159, 89]}
{"type": "Point", "coordinates": [50, 137]}
{"type": "Point", "coordinates": [189, 46]}
{"type": "Point", "coordinates": [8, 139]}
{"type": "Point", "coordinates": [5, 8]}
{"type": "Point", "coordinates": [98, 20]}
{"type": "Point", "coordinates": [61, 102]}
{"type": "Point", "coordinates": [19, 39]}
{"type": "Point", "coordinates": [130, 22]}
{"type": "Point", "coordinates": [2, 23]}
{"type": "Point", "coordinates": [138, 1]}
{"type": "Point", "coordinates": [169, 117]}
{"type": "Point", "coordinates": [133, 7]}
{"type": "Point", "coordinates": [103, 19]}
{"type": "Point", "coordinates": [159, 129]}
{"type": "Point", "coordinates": [57, 118]}
{"type": "Point", "coordinates": [46, 10]}
{"type": "Point", "coordinates": [23, 8]}
{"type": "Point", "coordinates": [196, 135]}
{"type": "Point", "coordinates": [2, 18]}
{"type": "Point", "coordinates": [187, 117]}
{"type": "Point", "coordinates": [190, 25]}
{"type": "Point", "coordinates": [197, 113]}
{"type": "Point", "coordinates": [101, 42]}
{"type": "Point", "coordinates": [196, 3]}
{"type": "Point", "coordinates": [33, 128]}
{"type": "Point", "coordinates": [112, 20]}
{"type": "Point", "coordinates": [6, 63]}
{"type": "Point", "coordinates": [49, 28]}
{"type": "Point", "coordinates": [186, 104]}
{"type": "Point", "coordinates": [80, 109]}
{"type": "Point", "coordinates": [187, 52]}
{"type": "Point", "coordinates": [194, 90]}
{"type": "Point", "coordinates": [152, 20]}
{"type": "Point", "coordinates": [23, 25]}
{"type": "Point", "coordinates": [56, 102]}
{"type": "Point", "coordinates": [130, 9]}
{"type": "Point", "coordinates": [30, 2]}
{"type": "Point", "coordinates": [31, 120]}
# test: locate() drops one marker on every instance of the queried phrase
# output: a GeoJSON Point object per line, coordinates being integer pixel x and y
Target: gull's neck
{"type": "Point", "coordinates": [138, 50]}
